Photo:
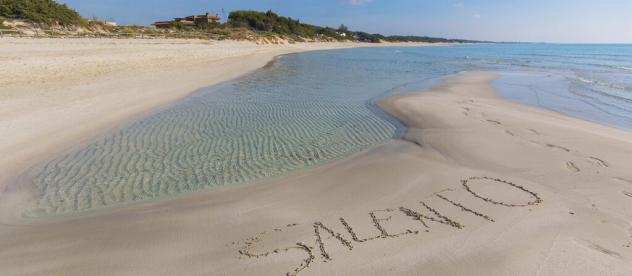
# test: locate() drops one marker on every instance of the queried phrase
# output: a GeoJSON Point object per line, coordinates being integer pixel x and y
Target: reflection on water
{"type": "Point", "coordinates": [311, 108]}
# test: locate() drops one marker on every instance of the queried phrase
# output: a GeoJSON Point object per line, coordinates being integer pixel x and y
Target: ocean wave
{"type": "Point", "coordinates": [624, 68]}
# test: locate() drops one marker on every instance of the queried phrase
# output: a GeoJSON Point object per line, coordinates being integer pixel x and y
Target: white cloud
{"type": "Point", "coordinates": [458, 5]}
{"type": "Point", "coordinates": [477, 16]}
{"type": "Point", "coordinates": [357, 2]}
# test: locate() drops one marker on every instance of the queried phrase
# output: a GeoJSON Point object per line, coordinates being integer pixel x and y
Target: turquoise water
{"type": "Point", "coordinates": [312, 108]}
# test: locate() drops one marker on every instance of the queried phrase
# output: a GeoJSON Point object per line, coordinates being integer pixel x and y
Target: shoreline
{"type": "Point", "coordinates": [507, 189]}
{"type": "Point", "coordinates": [70, 105]}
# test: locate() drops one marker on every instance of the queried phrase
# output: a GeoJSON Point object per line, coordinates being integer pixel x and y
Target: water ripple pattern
{"type": "Point", "coordinates": [302, 111]}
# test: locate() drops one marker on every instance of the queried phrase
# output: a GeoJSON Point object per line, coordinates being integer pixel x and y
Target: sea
{"type": "Point", "coordinates": [308, 109]}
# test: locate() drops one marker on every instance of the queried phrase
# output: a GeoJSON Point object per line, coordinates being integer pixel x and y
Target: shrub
{"type": "Point", "coordinates": [280, 25]}
{"type": "Point", "coordinates": [2, 26]}
{"type": "Point", "coordinates": [40, 11]}
{"type": "Point", "coordinates": [366, 37]}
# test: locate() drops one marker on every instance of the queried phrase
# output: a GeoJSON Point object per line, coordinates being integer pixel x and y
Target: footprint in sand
{"type": "Point", "coordinates": [558, 147]}
{"type": "Point", "coordinates": [572, 167]}
{"type": "Point", "coordinates": [597, 161]}
{"type": "Point", "coordinates": [534, 131]}
{"type": "Point", "coordinates": [494, 122]}
{"type": "Point", "coordinates": [604, 250]}
{"type": "Point", "coordinates": [622, 180]}
{"type": "Point", "coordinates": [466, 111]}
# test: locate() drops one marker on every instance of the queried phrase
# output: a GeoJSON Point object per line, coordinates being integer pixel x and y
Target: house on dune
{"type": "Point", "coordinates": [189, 21]}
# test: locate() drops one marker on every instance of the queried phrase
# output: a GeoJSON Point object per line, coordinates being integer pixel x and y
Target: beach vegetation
{"type": "Point", "coordinates": [241, 25]}
{"type": "Point", "coordinates": [46, 12]}
{"type": "Point", "coordinates": [367, 37]}
{"type": "Point", "coordinates": [208, 25]}
{"type": "Point", "coordinates": [270, 22]}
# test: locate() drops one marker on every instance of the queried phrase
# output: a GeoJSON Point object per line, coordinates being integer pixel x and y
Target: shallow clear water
{"type": "Point", "coordinates": [591, 82]}
{"type": "Point", "coordinates": [311, 108]}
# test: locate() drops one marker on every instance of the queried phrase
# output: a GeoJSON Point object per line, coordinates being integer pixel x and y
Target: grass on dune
{"type": "Point", "coordinates": [40, 11]}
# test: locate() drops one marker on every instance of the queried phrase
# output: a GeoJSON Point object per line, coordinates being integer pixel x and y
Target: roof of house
{"type": "Point", "coordinates": [189, 20]}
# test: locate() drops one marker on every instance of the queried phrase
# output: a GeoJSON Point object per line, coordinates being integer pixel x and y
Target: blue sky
{"type": "Point", "coordinates": [584, 21]}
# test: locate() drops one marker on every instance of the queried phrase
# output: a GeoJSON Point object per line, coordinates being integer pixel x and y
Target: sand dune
{"type": "Point", "coordinates": [479, 186]}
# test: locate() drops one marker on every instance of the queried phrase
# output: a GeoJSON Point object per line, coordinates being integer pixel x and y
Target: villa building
{"type": "Point", "coordinates": [191, 21]}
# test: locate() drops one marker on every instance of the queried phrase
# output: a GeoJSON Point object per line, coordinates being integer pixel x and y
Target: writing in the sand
{"type": "Point", "coordinates": [424, 214]}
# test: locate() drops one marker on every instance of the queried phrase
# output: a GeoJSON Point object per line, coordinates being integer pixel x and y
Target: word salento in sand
{"type": "Point", "coordinates": [381, 221]}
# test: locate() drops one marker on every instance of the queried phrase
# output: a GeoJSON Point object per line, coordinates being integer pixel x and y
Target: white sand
{"type": "Point", "coordinates": [574, 179]}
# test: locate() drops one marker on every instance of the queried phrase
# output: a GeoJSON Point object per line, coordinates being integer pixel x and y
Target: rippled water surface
{"type": "Point", "coordinates": [311, 108]}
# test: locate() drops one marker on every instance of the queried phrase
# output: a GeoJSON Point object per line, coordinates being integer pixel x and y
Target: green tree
{"type": "Point", "coordinates": [40, 11]}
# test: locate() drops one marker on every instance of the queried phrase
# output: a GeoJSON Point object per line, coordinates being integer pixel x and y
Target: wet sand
{"type": "Point", "coordinates": [479, 186]}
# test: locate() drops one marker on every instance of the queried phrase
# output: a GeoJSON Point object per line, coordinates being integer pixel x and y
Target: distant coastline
{"type": "Point", "coordinates": [47, 18]}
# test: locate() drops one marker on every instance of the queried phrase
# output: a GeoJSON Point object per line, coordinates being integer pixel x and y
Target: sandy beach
{"type": "Point", "coordinates": [478, 186]}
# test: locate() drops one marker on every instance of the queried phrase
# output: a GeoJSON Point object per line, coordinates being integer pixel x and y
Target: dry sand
{"type": "Point", "coordinates": [482, 186]}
